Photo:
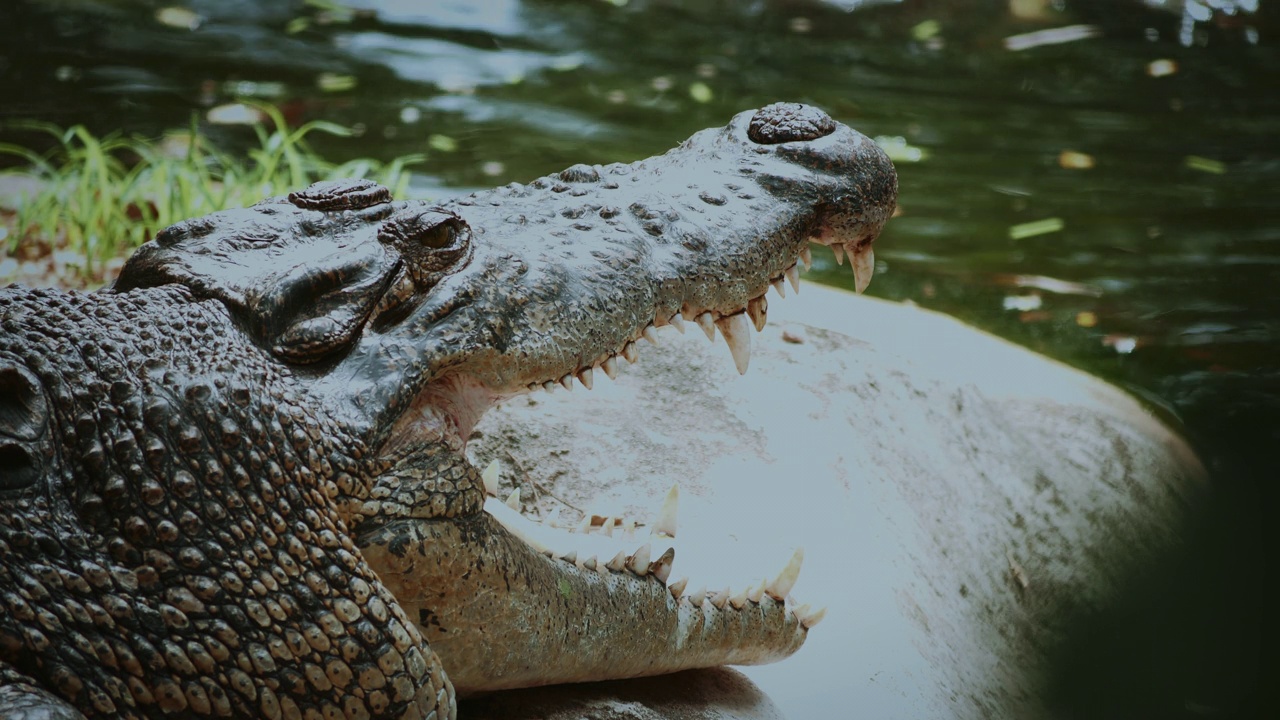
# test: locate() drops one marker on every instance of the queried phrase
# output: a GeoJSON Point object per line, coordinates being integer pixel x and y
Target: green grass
{"type": "Point", "coordinates": [100, 197]}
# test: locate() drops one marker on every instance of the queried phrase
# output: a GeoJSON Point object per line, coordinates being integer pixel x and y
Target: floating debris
{"type": "Point", "coordinates": [178, 17]}
{"type": "Point", "coordinates": [1052, 36]}
{"type": "Point", "coordinates": [1072, 160]}
{"type": "Point", "coordinates": [1204, 164]}
{"type": "Point", "coordinates": [1038, 227]}
{"type": "Point", "coordinates": [1161, 68]}
{"type": "Point", "coordinates": [701, 92]}
{"type": "Point", "coordinates": [1023, 303]}
{"type": "Point", "coordinates": [899, 150]}
{"type": "Point", "coordinates": [335, 82]}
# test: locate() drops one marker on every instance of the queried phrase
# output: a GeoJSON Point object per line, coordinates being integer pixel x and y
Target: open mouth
{"type": "Point", "coordinates": [646, 549]}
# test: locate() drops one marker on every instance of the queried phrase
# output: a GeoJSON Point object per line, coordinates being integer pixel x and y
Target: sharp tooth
{"type": "Point", "coordinates": [738, 599]}
{"type": "Point", "coordinates": [696, 597]}
{"type": "Point", "coordinates": [779, 287]}
{"type": "Point", "coordinates": [738, 337]}
{"type": "Point", "coordinates": [677, 587]}
{"type": "Point", "coordinates": [806, 257]}
{"type": "Point", "coordinates": [650, 334]}
{"type": "Point", "coordinates": [629, 352]}
{"type": "Point", "coordinates": [628, 527]}
{"type": "Point", "coordinates": [584, 377]}
{"type": "Point", "coordinates": [758, 309]}
{"type": "Point", "coordinates": [566, 381]}
{"type": "Point", "coordinates": [570, 557]}
{"type": "Point", "coordinates": [638, 563]}
{"type": "Point", "coordinates": [618, 563]}
{"type": "Point", "coordinates": [757, 591]}
{"type": "Point", "coordinates": [666, 522]}
{"type": "Point", "coordinates": [864, 266]}
{"type": "Point", "coordinates": [793, 277]}
{"type": "Point", "coordinates": [549, 385]}
{"type": "Point", "coordinates": [839, 253]}
{"type": "Point", "coordinates": [606, 528]}
{"type": "Point", "coordinates": [677, 322]}
{"type": "Point", "coordinates": [513, 500]}
{"type": "Point", "coordinates": [490, 478]}
{"type": "Point", "coordinates": [610, 367]}
{"type": "Point", "coordinates": [720, 597]}
{"type": "Point", "coordinates": [781, 585]}
{"type": "Point", "coordinates": [707, 324]}
{"type": "Point", "coordinates": [811, 617]}
{"type": "Point", "coordinates": [589, 563]}
{"type": "Point", "coordinates": [661, 568]}
{"type": "Point", "coordinates": [584, 527]}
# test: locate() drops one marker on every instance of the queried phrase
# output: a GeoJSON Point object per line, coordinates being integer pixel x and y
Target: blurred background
{"type": "Point", "coordinates": [1098, 180]}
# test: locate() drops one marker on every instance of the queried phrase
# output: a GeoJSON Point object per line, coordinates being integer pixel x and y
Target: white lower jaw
{"type": "Point", "coordinates": [616, 545]}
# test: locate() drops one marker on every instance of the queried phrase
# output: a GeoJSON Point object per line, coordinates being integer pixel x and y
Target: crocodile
{"type": "Point", "coordinates": [234, 483]}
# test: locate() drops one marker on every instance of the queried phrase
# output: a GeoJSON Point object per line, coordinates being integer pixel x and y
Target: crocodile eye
{"type": "Point", "coordinates": [432, 242]}
{"type": "Point", "coordinates": [788, 122]}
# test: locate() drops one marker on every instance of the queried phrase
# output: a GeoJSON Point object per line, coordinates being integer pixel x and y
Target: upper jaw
{"type": "Point", "coordinates": [574, 272]}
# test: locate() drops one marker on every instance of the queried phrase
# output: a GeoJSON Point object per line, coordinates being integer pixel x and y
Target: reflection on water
{"type": "Point", "coordinates": [1095, 179]}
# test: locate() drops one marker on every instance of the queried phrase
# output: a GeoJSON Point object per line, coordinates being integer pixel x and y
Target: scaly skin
{"type": "Point", "coordinates": [234, 483]}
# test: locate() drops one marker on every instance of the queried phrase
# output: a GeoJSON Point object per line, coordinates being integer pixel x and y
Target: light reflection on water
{"type": "Point", "coordinates": [1163, 276]}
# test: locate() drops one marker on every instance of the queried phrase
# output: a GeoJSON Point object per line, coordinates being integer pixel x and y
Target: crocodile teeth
{"type": "Point", "coordinates": [513, 500]}
{"type": "Point", "coordinates": [585, 377]}
{"type": "Point", "coordinates": [757, 592]}
{"type": "Point", "coordinates": [610, 367]}
{"type": "Point", "coordinates": [606, 528]}
{"type": "Point", "coordinates": [570, 557]}
{"type": "Point", "coordinates": [666, 522]}
{"type": "Point", "coordinates": [589, 563]}
{"type": "Point", "coordinates": [490, 478]}
{"type": "Point", "coordinates": [839, 253]}
{"type": "Point", "coordinates": [661, 568]}
{"type": "Point", "coordinates": [630, 353]}
{"type": "Point", "coordinates": [549, 385]}
{"type": "Point", "coordinates": [738, 337]}
{"type": "Point", "coordinates": [809, 617]}
{"type": "Point", "coordinates": [618, 563]}
{"type": "Point", "coordinates": [864, 265]}
{"type": "Point", "coordinates": [566, 381]}
{"type": "Point", "coordinates": [649, 334]}
{"type": "Point", "coordinates": [738, 599]}
{"type": "Point", "coordinates": [806, 257]}
{"type": "Point", "coordinates": [779, 287]}
{"type": "Point", "coordinates": [781, 585]}
{"type": "Point", "coordinates": [638, 563]}
{"type": "Point", "coordinates": [677, 322]}
{"type": "Point", "coordinates": [677, 587]}
{"type": "Point", "coordinates": [707, 324]}
{"type": "Point", "coordinates": [720, 598]}
{"type": "Point", "coordinates": [696, 597]}
{"type": "Point", "coordinates": [758, 309]}
{"type": "Point", "coordinates": [628, 527]}
{"type": "Point", "coordinates": [793, 277]}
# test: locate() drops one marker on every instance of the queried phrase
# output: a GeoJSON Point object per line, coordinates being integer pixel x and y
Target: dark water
{"type": "Point", "coordinates": [1159, 269]}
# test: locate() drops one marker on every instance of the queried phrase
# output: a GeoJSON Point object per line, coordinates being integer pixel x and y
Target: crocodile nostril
{"type": "Point", "coordinates": [787, 122]}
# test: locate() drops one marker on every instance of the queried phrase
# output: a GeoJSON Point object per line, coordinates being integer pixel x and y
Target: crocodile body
{"type": "Point", "coordinates": [234, 485]}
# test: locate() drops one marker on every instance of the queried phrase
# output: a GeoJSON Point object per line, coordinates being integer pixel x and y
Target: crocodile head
{"type": "Point", "coordinates": [403, 322]}
{"type": "Point", "coordinates": [408, 308]}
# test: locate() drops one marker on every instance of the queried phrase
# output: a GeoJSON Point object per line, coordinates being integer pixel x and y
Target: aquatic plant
{"type": "Point", "coordinates": [97, 198]}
